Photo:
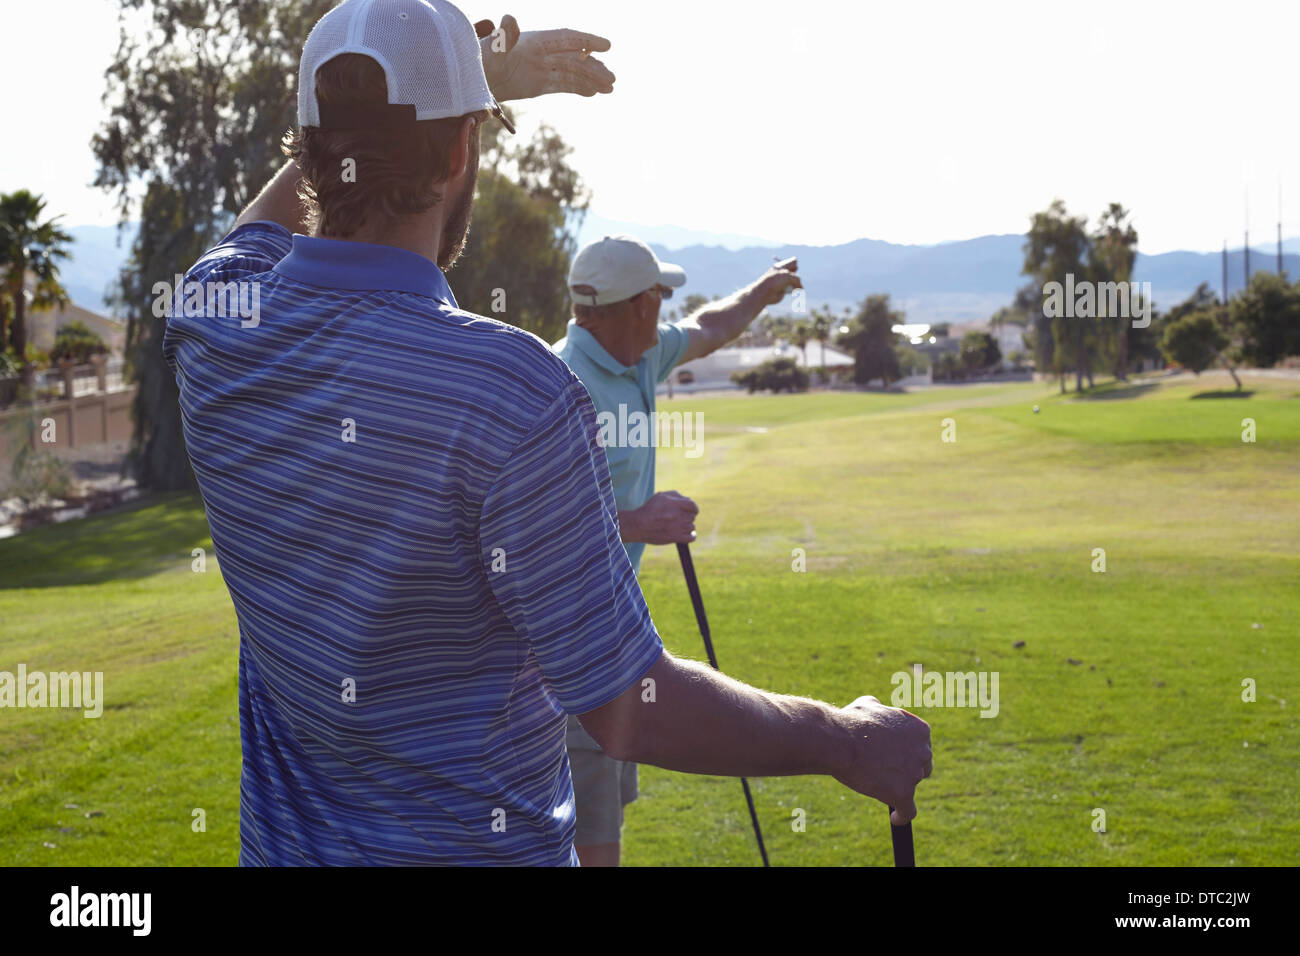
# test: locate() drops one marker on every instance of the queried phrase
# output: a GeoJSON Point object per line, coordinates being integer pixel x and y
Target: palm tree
{"type": "Point", "coordinates": [28, 245]}
{"type": "Point", "coordinates": [822, 325]}
{"type": "Point", "coordinates": [802, 336]}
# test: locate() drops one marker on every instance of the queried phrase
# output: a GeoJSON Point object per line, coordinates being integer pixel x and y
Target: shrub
{"type": "Point", "coordinates": [1194, 341]}
{"type": "Point", "coordinates": [36, 475]}
{"type": "Point", "coordinates": [979, 351]}
{"type": "Point", "coordinates": [947, 368]}
{"type": "Point", "coordinates": [9, 364]}
{"type": "Point", "coordinates": [37, 358]}
{"type": "Point", "coordinates": [774, 375]}
{"type": "Point", "coordinates": [910, 361]}
{"type": "Point", "coordinates": [77, 342]}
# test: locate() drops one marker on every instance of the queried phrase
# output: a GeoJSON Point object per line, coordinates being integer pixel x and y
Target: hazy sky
{"type": "Point", "coordinates": [820, 122]}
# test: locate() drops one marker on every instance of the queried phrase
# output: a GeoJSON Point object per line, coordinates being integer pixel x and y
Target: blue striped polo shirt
{"type": "Point", "coordinates": [414, 518]}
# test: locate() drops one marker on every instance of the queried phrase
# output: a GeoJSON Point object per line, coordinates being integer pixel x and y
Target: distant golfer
{"type": "Point", "coordinates": [620, 350]}
{"type": "Point", "coordinates": [410, 508]}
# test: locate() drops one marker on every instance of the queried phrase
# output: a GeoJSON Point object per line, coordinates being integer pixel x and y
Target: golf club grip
{"type": "Point", "coordinates": [903, 853]}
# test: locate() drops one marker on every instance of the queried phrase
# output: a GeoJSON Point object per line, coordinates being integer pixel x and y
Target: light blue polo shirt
{"type": "Point", "coordinates": [621, 393]}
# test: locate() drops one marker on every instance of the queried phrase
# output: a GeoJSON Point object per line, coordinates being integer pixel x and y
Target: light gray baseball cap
{"type": "Point", "coordinates": [615, 268]}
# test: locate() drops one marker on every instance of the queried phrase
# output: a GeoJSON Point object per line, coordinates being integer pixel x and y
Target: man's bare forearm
{"type": "Point", "coordinates": [700, 721]}
{"type": "Point", "coordinates": [726, 319]}
{"type": "Point", "coordinates": [279, 201]}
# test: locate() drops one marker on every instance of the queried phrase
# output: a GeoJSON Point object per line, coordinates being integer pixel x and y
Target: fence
{"type": "Point", "coordinates": [75, 405]}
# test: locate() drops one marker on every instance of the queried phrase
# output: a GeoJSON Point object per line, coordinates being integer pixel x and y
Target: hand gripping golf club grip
{"type": "Point", "coordinates": [903, 855]}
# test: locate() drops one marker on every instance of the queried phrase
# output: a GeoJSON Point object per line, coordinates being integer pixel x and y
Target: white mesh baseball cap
{"type": "Point", "coordinates": [428, 50]}
{"type": "Point", "coordinates": [616, 268]}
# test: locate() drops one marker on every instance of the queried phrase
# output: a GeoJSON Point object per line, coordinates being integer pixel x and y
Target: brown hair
{"type": "Point", "coordinates": [397, 170]}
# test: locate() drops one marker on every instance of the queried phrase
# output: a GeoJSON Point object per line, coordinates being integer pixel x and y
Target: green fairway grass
{"type": "Point", "coordinates": [1125, 697]}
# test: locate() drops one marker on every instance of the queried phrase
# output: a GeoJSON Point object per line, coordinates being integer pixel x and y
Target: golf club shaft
{"type": "Point", "coordinates": [903, 854]}
{"type": "Point", "coordinates": [692, 585]}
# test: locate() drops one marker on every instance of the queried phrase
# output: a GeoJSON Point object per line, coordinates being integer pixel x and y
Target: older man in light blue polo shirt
{"type": "Point", "coordinates": [617, 346]}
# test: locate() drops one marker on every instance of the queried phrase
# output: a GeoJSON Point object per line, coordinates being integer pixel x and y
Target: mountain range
{"type": "Point", "coordinates": [957, 282]}
{"type": "Point", "coordinates": [953, 282]}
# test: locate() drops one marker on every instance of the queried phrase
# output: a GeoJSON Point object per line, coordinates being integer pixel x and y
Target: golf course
{"type": "Point", "coordinates": [1125, 691]}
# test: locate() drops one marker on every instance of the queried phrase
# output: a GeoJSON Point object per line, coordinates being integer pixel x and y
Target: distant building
{"type": "Point", "coordinates": [714, 371]}
{"type": "Point", "coordinates": [1010, 338]}
{"type": "Point", "coordinates": [44, 323]}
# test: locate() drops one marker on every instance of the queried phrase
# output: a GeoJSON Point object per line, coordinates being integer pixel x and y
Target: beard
{"type": "Point", "coordinates": [455, 230]}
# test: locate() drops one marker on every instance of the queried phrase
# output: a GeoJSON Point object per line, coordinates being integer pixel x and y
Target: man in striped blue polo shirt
{"type": "Point", "coordinates": [620, 350]}
{"type": "Point", "coordinates": [412, 511]}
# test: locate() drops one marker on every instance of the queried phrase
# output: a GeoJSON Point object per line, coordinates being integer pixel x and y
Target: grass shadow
{"type": "Point", "coordinates": [136, 540]}
{"type": "Point", "coordinates": [1115, 391]}
{"type": "Point", "coordinates": [1225, 393]}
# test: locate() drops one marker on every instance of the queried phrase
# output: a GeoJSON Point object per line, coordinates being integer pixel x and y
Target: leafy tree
{"type": "Point", "coordinates": [1267, 316]}
{"type": "Point", "coordinates": [533, 189]}
{"type": "Point", "coordinates": [1202, 300]}
{"type": "Point", "coordinates": [871, 340]}
{"type": "Point", "coordinates": [198, 102]}
{"type": "Point", "coordinates": [775, 375]}
{"type": "Point", "coordinates": [979, 351]}
{"type": "Point", "coordinates": [1038, 335]}
{"type": "Point", "coordinates": [1113, 254]}
{"type": "Point", "coordinates": [27, 244]}
{"type": "Point", "coordinates": [1013, 314]}
{"type": "Point", "coordinates": [1057, 245]}
{"type": "Point", "coordinates": [1149, 342]}
{"type": "Point", "coordinates": [1195, 341]}
{"type": "Point", "coordinates": [1144, 344]}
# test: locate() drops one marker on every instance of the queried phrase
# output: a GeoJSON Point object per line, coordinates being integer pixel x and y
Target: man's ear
{"type": "Point", "coordinates": [460, 151]}
{"type": "Point", "coordinates": [649, 304]}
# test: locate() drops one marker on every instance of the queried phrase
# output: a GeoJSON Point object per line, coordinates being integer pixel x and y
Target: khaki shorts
{"type": "Point", "coordinates": [602, 786]}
